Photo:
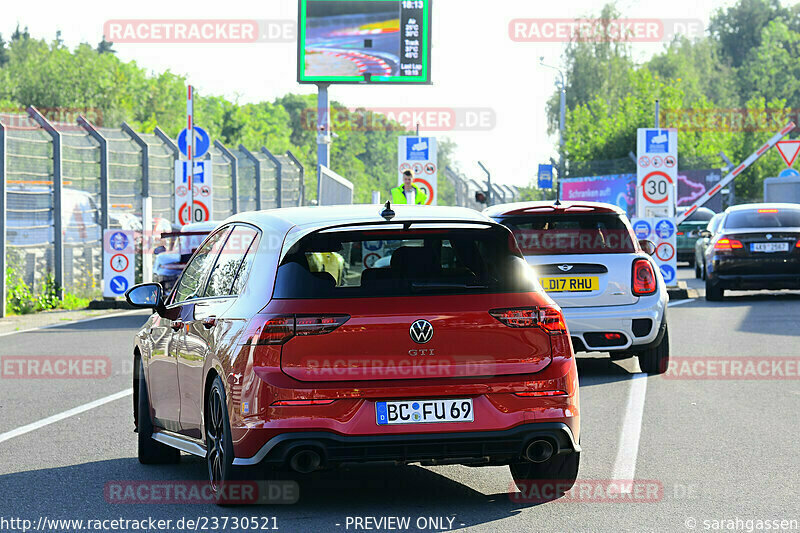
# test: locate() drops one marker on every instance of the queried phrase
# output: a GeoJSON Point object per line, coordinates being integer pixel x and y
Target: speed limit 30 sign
{"type": "Point", "coordinates": [657, 187]}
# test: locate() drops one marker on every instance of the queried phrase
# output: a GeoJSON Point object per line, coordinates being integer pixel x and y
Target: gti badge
{"type": "Point", "coordinates": [565, 268]}
{"type": "Point", "coordinates": [421, 331]}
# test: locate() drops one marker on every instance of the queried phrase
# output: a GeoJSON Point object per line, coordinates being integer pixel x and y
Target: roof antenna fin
{"type": "Point", "coordinates": [388, 212]}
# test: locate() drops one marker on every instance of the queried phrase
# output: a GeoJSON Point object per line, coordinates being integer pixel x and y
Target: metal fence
{"type": "Point", "coordinates": [465, 189]}
{"type": "Point", "coordinates": [62, 184]}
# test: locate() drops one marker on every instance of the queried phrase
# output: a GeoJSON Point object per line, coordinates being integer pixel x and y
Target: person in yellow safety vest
{"type": "Point", "coordinates": [409, 192]}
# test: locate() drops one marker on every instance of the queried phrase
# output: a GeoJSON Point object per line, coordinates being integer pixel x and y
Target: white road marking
{"type": "Point", "coordinates": [628, 448]}
{"type": "Point", "coordinates": [64, 324]}
{"type": "Point", "coordinates": [673, 303]}
{"type": "Point", "coordinates": [61, 416]}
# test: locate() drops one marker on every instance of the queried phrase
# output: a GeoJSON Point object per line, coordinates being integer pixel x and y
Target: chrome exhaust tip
{"type": "Point", "coordinates": [539, 451]}
{"type": "Point", "coordinates": [305, 461]}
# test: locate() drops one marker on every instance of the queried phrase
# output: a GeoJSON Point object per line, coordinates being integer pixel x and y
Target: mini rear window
{"type": "Point", "coordinates": [403, 263]}
{"type": "Point", "coordinates": [549, 234]}
{"type": "Point", "coordinates": [763, 218]}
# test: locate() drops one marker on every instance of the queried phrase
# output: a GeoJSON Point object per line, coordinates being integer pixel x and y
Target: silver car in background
{"type": "Point", "coordinates": [587, 258]}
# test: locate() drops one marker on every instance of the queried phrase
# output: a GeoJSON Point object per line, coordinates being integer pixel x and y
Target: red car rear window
{"type": "Point", "coordinates": [403, 263]}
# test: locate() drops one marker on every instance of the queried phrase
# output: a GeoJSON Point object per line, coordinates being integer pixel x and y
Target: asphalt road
{"type": "Point", "coordinates": [718, 449]}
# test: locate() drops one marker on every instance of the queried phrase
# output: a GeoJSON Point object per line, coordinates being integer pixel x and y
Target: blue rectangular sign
{"type": "Point", "coordinates": [545, 176]}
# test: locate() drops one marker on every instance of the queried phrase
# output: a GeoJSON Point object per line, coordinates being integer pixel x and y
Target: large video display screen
{"type": "Point", "coordinates": [364, 41]}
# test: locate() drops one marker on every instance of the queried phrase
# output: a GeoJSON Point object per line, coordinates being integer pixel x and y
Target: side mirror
{"type": "Point", "coordinates": [648, 246]}
{"type": "Point", "coordinates": [159, 250]}
{"type": "Point", "coordinates": [705, 233]}
{"type": "Point", "coordinates": [146, 296]}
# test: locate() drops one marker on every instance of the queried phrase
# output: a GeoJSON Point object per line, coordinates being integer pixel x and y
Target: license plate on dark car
{"type": "Point", "coordinates": [769, 247]}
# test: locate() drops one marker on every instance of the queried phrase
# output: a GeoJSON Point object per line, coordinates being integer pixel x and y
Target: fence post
{"type": "Point", "coordinates": [103, 142]}
{"type": "Point", "coordinates": [234, 174]}
{"type": "Point", "coordinates": [58, 235]}
{"type": "Point", "coordinates": [302, 199]}
{"type": "Point", "coordinates": [166, 140]}
{"type": "Point", "coordinates": [279, 175]}
{"type": "Point", "coordinates": [257, 164]}
{"type": "Point", "coordinates": [2, 219]}
{"type": "Point", "coordinates": [145, 157]}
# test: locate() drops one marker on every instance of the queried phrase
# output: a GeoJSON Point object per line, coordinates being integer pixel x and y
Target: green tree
{"type": "Point", "coordinates": [738, 28]}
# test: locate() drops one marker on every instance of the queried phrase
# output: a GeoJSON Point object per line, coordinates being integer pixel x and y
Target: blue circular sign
{"type": "Point", "coordinates": [665, 229]}
{"type": "Point", "coordinates": [118, 241]}
{"type": "Point", "coordinates": [373, 246]}
{"type": "Point", "coordinates": [642, 229]}
{"type": "Point", "coordinates": [202, 142]}
{"type": "Point", "coordinates": [119, 284]}
{"type": "Point", "coordinates": [789, 173]}
{"type": "Point", "coordinates": [668, 273]}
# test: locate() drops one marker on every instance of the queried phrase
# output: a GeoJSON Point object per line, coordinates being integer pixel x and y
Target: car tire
{"type": "Point", "coordinates": [698, 271]}
{"type": "Point", "coordinates": [714, 293]}
{"type": "Point", "coordinates": [548, 480]}
{"type": "Point", "coordinates": [150, 452]}
{"type": "Point", "coordinates": [219, 443]}
{"type": "Point", "coordinates": [655, 360]}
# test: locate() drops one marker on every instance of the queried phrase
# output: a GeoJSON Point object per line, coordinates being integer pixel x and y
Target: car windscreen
{"type": "Point", "coordinates": [358, 264]}
{"type": "Point", "coordinates": [580, 233]}
{"type": "Point", "coordinates": [763, 218]}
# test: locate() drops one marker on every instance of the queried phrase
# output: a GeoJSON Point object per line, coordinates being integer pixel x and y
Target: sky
{"type": "Point", "coordinates": [475, 63]}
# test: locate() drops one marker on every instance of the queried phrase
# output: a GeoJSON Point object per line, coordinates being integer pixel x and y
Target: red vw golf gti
{"type": "Point", "coordinates": [309, 338]}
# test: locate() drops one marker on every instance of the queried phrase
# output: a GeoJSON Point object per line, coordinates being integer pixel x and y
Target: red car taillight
{"type": "Point", "coordinates": [725, 243]}
{"type": "Point", "coordinates": [540, 393]}
{"type": "Point", "coordinates": [545, 317]}
{"type": "Point", "coordinates": [644, 278]}
{"type": "Point", "coordinates": [272, 329]}
{"type": "Point", "coordinates": [299, 403]}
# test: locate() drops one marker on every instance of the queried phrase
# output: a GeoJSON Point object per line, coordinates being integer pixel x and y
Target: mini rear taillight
{"type": "Point", "coordinates": [277, 329]}
{"type": "Point", "coordinates": [546, 317]}
{"type": "Point", "coordinates": [295, 403]}
{"type": "Point", "coordinates": [726, 243]}
{"type": "Point", "coordinates": [644, 278]}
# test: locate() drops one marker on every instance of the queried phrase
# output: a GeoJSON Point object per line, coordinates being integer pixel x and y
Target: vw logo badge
{"type": "Point", "coordinates": [421, 331]}
{"type": "Point", "coordinates": [565, 268]}
{"type": "Point", "coordinates": [769, 235]}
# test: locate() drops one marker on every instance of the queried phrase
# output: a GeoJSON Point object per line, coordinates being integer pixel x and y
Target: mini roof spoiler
{"type": "Point", "coordinates": [574, 208]}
